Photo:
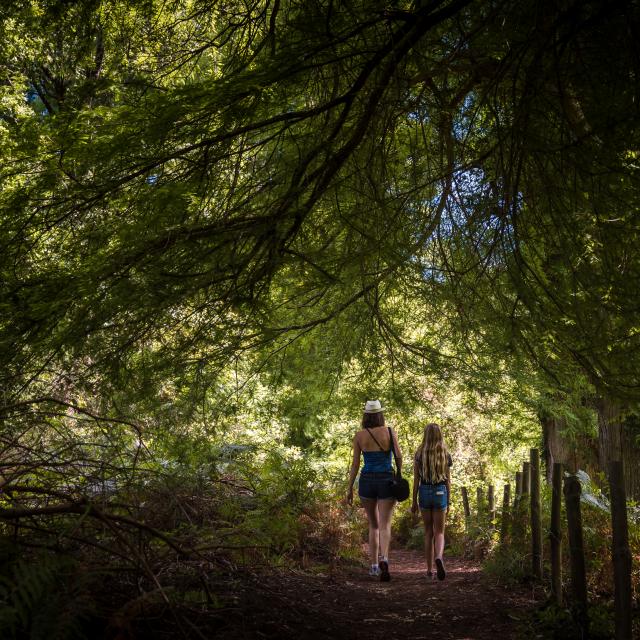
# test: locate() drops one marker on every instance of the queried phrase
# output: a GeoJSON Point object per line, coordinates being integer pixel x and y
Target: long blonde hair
{"type": "Point", "coordinates": [432, 455]}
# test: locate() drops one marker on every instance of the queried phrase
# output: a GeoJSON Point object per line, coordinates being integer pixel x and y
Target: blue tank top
{"type": "Point", "coordinates": [376, 461]}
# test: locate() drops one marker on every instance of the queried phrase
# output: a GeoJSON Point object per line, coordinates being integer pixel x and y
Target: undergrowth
{"type": "Point", "coordinates": [510, 563]}
{"type": "Point", "coordinates": [179, 548]}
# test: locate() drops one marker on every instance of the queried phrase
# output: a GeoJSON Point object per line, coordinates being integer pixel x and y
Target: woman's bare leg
{"type": "Point", "coordinates": [371, 508]}
{"type": "Point", "coordinates": [439, 517]}
{"type": "Point", "coordinates": [427, 520]}
{"type": "Point", "coordinates": [385, 511]}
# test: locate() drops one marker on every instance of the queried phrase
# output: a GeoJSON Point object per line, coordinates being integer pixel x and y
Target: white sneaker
{"type": "Point", "coordinates": [374, 570]}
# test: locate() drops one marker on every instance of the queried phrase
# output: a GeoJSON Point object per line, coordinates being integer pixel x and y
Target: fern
{"type": "Point", "coordinates": [43, 598]}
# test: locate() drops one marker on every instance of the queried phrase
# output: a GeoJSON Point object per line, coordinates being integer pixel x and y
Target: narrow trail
{"type": "Point", "coordinates": [465, 606]}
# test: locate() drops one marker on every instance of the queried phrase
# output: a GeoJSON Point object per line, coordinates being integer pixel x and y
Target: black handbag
{"type": "Point", "coordinates": [399, 485]}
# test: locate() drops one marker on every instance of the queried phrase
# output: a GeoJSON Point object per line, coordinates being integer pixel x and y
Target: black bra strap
{"type": "Point", "coordinates": [374, 438]}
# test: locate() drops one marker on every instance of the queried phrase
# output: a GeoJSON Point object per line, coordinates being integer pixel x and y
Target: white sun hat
{"type": "Point", "coordinates": [372, 406]}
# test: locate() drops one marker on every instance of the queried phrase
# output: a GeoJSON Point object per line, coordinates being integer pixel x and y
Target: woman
{"type": "Point", "coordinates": [432, 480]}
{"type": "Point", "coordinates": [374, 487]}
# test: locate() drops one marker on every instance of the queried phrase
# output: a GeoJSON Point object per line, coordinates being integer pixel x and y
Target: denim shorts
{"type": "Point", "coordinates": [433, 496]}
{"type": "Point", "coordinates": [376, 486]}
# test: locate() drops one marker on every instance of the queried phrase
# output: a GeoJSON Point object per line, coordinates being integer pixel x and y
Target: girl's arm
{"type": "Point", "coordinates": [416, 484]}
{"type": "Point", "coordinates": [394, 435]}
{"type": "Point", "coordinates": [448, 481]}
{"type": "Point", "coordinates": [355, 464]}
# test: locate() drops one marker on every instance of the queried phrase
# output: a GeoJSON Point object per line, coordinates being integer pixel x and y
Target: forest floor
{"type": "Point", "coordinates": [468, 605]}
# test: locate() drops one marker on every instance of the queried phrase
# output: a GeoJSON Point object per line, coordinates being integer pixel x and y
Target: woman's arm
{"type": "Point", "coordinates": [355, 464]}
{"type": "Point", "coordinates": [416, 484]}
{"type": "Point", "coordinates": [394, 435]}
{"type": "Point", "coordinates": [448, 481]}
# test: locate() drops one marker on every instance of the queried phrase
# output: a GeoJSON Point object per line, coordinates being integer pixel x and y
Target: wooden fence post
{"type": "Point", "coordinates": [536, 524]}
{"type": "Point", "coordinates": [526, 477]}
{"type": "Point", "coordinates": [516, 516]}
{"type": "Point", "coordinates": [576, 551]}
{"type": "Point", "coordinates": [555, 533]}
{"type": "Point", "coordinates": [504, 525]}
{"type": "Point", "coordinates": [491, 507]}
{"type": "Point", "coordinates": [620, 551]}
{"type": "Point", "coordinates": [465, 503]}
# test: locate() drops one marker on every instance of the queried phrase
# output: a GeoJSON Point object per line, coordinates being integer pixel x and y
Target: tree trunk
{"type": "Point", "coordinates": [575, 451]}
{"type": "Point", "coordinates": [609, 431]}
{"type": "Point", "coordinates": [465, 503]}
{"type": "Point", "coordinates": [629, 438]}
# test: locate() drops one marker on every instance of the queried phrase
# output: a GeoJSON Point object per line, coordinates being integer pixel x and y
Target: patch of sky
{"type": "Point", "coordinates": [472, 216]}
{"type": "Point", "coordinates": [433, 273]}
{"type": "Point", "coordinates": [470, 192]}
{"type": "Point", "coordinates": [33, 99]}
{"type": "Point", "coordinates": [418, 115]}
{"type": "Point", "coordinates": [465, 123]}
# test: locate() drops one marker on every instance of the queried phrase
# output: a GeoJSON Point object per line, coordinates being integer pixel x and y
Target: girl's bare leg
{"type": "Point", "coordinates": [371, 508]}
{"type": "Point", "coordinates": [438, 531]}
{"type": "Point", "coordinates": [385, 511]}
{"type": "Point", "coordinates": [427, 520]}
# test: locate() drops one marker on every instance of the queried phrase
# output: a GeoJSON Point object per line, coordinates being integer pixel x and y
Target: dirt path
{"type": "Point", "coordinates": [466, 606]}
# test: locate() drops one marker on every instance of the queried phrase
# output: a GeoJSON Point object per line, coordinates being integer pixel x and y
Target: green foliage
{"type": "Point", "coordinates": [554, 622]}
{"type": "Point", "coordinates": [508, 565]}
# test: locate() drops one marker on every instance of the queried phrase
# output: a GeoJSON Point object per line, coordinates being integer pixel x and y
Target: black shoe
{"type": "Point", "coordinates": [440, 569]}
{"type": "Point", "coordinates": [384, 571]}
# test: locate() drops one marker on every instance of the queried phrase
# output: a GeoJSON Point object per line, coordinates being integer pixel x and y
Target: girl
{"type": "Point", "coordinates": [374, 488]}
{"type": "Point", "coordinates": [431, 479]}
